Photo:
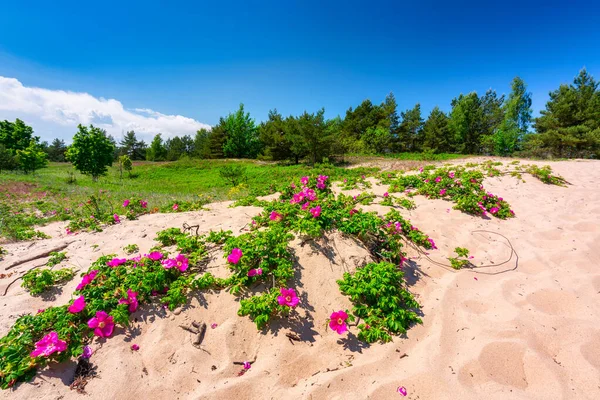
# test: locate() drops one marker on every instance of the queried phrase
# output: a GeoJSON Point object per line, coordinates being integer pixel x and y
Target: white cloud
{"type": "Point", "coordinates": [58, 112]}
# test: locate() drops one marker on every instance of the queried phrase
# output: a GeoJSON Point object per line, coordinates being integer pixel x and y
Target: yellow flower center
{"type": "Point", "coordinates": [340, 321]}
{"type": "Point", "coordinates": [288, 298]}
{"type": "Point", "coordinates": [101, 325]}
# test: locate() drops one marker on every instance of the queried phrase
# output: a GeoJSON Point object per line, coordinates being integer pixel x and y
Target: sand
{"type": "Point", "coordinates": [526, 330]}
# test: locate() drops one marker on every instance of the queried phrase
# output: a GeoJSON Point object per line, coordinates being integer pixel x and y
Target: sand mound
{"type": "Point", "coordinates": [531, 332]}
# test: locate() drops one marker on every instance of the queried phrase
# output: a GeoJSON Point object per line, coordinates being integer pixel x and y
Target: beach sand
{"type": "Point", "coordinates": [526, 329]}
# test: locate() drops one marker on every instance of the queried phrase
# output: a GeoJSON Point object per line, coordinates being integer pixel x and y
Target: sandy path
{"type": "Point", "coordinates": [531, 333]}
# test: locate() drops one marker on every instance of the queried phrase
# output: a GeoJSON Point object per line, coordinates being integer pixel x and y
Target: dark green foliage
{"type": "Point", "coordinates": [410, 131]}
{"type": "Point", "coordinates": [241, 135]}
{"type": "Point", "coordinates": [56, 151]}
{"type": "Point", "coordinates": [91, 152]}
{"type": "Point", "coordinates": [570, 124]}
{"type": "Point", "coordinates": [31, 158]}
{"type": "Point", "coordinates": [436, 133]}
{"type": "Point", "coordinates": [381, 300]}
{"type": "Point", "coordinates": [157, 150]}
{"type": "Point", "coordinates": [38, 281]}
{"type": "Point", "coordinates": [133, 148]}
{"type": "Point", "coordinates": [233, 174]}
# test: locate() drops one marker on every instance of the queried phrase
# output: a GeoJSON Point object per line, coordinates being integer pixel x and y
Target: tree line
{"type": "Point", "coordinates": [488, 124]}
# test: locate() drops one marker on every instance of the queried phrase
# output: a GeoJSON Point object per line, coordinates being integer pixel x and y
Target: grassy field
{"type": "Point", "coordinates": [50, 194]}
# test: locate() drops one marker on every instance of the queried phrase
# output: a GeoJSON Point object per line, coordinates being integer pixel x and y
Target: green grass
{"type": "Point", "coordinates": [27, 200]}
{"type": "Point", "coordinates": [425, 156]}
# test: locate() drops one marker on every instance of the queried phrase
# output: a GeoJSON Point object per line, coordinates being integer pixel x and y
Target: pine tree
{"type": "Point", "coordinates": [436, 134]}
{"type": "Point", "coordinates": [156, 151]}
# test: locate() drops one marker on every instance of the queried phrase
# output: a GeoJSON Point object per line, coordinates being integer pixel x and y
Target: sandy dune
{"type": "Point", "coordinates": [514, 331]}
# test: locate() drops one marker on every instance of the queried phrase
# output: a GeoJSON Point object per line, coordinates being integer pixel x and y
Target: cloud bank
{"type": "Point", "coordinates": [56, 113]}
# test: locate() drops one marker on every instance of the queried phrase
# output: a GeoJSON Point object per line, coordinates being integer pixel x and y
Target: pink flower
{"type": "Point", "coordinates": [316, 211]}
{"type": "Point", "coordinates": [125, 202]}
{"type": "Point", "coordinates": [115, 262]}
{"type": "Point", "coordinates": [309, 194]}
{"type": "Point", "coordinates": [305, 205]}
{"type": "Point", "coordinates": [143, 203]}
{"type": "Point", "coordinates": [117, 219]}
{"type": "Point", "coordinates": [426, 180]}
{"type": "Point", "coordinates": [337, 322]}
{"type": "Point", "coordinates": [432, 243]}
{"type": "Point", "coordinates": [322, 178]}
{"type": "Point", "coordinates": [438, 179]}
{"type": "Point", "coordinates": [254, 272]}
{"type": "Point", "coordinates": [180, 262]}
{"type": "Point", "coordinates": [87, 279]}
{"type": "Point", "coordinates": [304, 180]}
{"type": "Point", "coordinates": [288, 297]}
{"type": "Point", "coordinates": [155, 255]}
{"type": "Point", "coordinates": [321, 185]}
{"type": "Point", "coordinates": [235, 256]}
{"type": "Point", "coordinates": [41, 310]}
{"type": "Point", "coordinates": [275, 216]}
{"type": "Point", "coordinates": [49, 345]}
{"type": "Point", "coordinates": [247, 365]}
{"type": "Point", "coordinates": [175, 207]}
{"type": "Point", "coordinates": [402, 391]}
{"type": "Point", "coordinates": [87, 352]}
{"type": "Point", "coordinates": [135, 347]}
{"type": "Point", "coordinates": [102, 324]}
{"type": "Point", "coordinates": [420, 170]}
{"type": "Point", "coordinates": [297, 198]}
{"type": "Point", "coordinates": [353, 211]}
{"type": "Point", "coordinates": [77, 306]}
{"type": "Point", "coordinates": [213, 325]}
{"type": "Point", "coordinates": [69, 232]}
{"type": "Point", "coordinates": [293, 185]}
{"type": "Point", "coordinates": [451, 174]}
{"type": "Point", "coordinates": [442, 192]}
{"type": "Point", "coordinates": [386, 194]}
{"type": "Point", "coordinates": [494, 210]}
{"type": "Point", "coordinates": [131, 300]}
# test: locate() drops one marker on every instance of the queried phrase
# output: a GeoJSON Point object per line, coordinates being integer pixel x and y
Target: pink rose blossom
{"type": "Point", "coordinates": [235, 256]}
{"type": "Point", "coordinates": [131, 300]}
{"type": "Point", "coordinates": [275, 216]}
{"type": "Point", "coordinates": [247, 365]}
{"type": "Point", "coordinates": [135, 347]}
{"type": "Point", "coordinates": [438, 179]}
{"type": "Point", "coordinates": [115, 262]}
{"type": "Point", "coordinates": [305, 205]}
{"type": "Point", "coordinates": [494, 210]}
{"type": "Point", "coordinates": [451, 174]}
{"type": "Point", "coordinates": [213, 325]}
{"type": "Point", "coordinates": [49, 345]}
{"type": "Point", "coordinates": [143, 203]}
{"type": "Point", "coordinates": [304, 180]}
{"type": "Point", "coordinates": [175, 207]}
{"type": "Point", "coordinates": [87, 279]}
{"type": "Point", "coordinates": [316, 211]}
{"type": "Point", "coordinates": [125, 203]}
{"type": "Point", "coordinates": [116, 218]}
{"type": "Point", "coordinates": [321, 185]}
{"type": "Point", "coordinates": [87, 352]}
{"type": "Point", "coordinates": [288, 298]}
{"type": "Point", "coordinates": [154, 256]}
{"type": "Point", "coordinates": [402, 391]}
{"type": "Point", "coordinates": [442, 192]}
{"type": "Point", "coordinates": [337, 322]}
{"type": "Point", "coordinates": [102, 324]}
{"type": "Point", "coordinates": [77, 306]}
{"type": "Point", "coordinates": [180, 262]}
{"type": "Point", "coordinates": [386, 194]}
{"type": "Point", "coordinates": [432, 243]}
{"type": "Point", "coordinates": [254, 272]}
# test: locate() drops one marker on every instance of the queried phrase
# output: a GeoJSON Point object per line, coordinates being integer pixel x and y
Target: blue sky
{"type": "Point", "coordinates": [195, 61]}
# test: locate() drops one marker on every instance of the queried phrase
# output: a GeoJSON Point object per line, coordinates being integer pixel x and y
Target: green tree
{"type": "Point", "coordinates": [465, 122]}
{"type": "Point", "coordinates": [56, 151]}
{"type": "Point", "coordinates": [217, 138]}
{"type": "Point", "coordinates": [410, 129]}
{"type": "Point", "coordinates": [132, 147]}
{"type": "Point", "coordinates": [241, 135]}
{"type": "Point", "coordinates": [517, 117]}
{"type": "Point", "coordinates": [310, 136]}
{"type": "Point", "coordinates": [91, 152]}
{"type": "Point", "coordinates": [16, 135]}
{"type": "Point", "coordinates": [7, 160]}
{"type": "Point", "coordinates": [570, 124]}
{"type": "Point", "coordinates": [125, 164]}
{"type": "Point", "coordinates": [175, 148]}
{"type": "Point", "coordinates": [202, 144]}
{"type": "Point", "coordinates": [274, 136]}
{"type": "Point", "coordinates": [31, 158]}
{"type": "Point", "coordinates": [157, 150]}
{"type": "Point", "coordinates": [436, 134]}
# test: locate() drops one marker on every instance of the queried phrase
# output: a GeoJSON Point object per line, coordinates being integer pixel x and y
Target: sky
{"type": "Point", "coordinates": [177, 66]}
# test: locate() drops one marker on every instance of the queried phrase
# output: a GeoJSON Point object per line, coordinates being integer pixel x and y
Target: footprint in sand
{"type": "Point", "coordinates": [502, 362]}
